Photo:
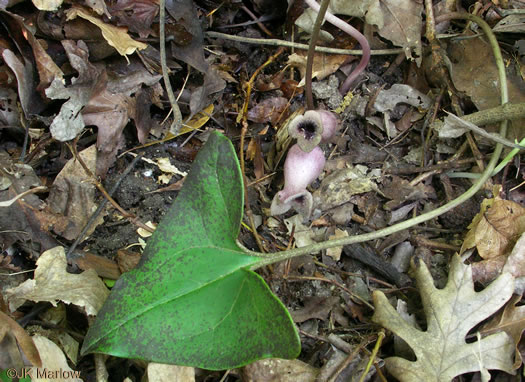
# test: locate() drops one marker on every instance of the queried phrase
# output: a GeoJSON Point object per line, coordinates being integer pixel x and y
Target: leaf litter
{"type": "Point", "coordinates": [91, 74]}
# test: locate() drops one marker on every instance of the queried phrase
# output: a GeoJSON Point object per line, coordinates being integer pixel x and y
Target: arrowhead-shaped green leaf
{"type": "Point", "coordinates": [192, 300]}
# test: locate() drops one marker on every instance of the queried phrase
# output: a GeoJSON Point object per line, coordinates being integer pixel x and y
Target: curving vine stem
{"type": "Point", "coordinates": [347, 28]}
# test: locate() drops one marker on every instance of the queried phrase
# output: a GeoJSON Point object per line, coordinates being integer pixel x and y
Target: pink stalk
{"type": "Point", "coordinates": [365, 58]}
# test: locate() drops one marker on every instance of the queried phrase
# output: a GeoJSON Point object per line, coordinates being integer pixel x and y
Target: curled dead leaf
{"type": "Point", "coordinates": [52, 283]}
{"type": "Point", "coordinates": [117, 37]}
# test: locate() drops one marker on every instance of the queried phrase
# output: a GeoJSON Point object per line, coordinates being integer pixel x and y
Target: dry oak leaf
{"type": "Point", "coordinates": [512, 322]}
{"type": "Point", "coordinates": [52, 283]}
{"type": "Point", "coordinates": [117, 37]}
{"type": "Point", "coordinates": [495, 229]}
{"type": "Point", "coordinates": [441, 351]}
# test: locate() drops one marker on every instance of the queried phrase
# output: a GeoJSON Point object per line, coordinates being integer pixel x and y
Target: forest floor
{"type": "Point", "coordinates": [85, 114]}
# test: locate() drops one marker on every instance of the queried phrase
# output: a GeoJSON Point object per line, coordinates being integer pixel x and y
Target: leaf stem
{"type": "Point", "coordinates": [279, 256]}
{"type": "Point", "coordinates": [311, 53]}
{"type": "Point", "coordinates": [177, 116]}
{"type": "Point", "coordinates": [347, 28]}
{"type": "Point", "coordinates": [296, 45]}
{"type": "Point", "coordinates": [373, 356]}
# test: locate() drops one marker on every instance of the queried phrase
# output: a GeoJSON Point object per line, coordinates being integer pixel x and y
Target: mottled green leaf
{"type": "Point", "coordinates": [192, 300]}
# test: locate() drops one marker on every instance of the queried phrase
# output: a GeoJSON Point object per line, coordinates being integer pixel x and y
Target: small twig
{"type": "Point", "coordinates": [7, 203]}
{"type": "Point", "coordinates": [379, 266]}
{"type": "Point", "coordinates": [25, 125]}
{"type": "Point", "coordinates": [132, 218]}
{"type": "Point", "coordinates": [184, 83]}
{"type": "Point", "coordinates": [348, 360]}
{"type": "Point", "coordinates": [380, 337]}
{"type": "Point", "coordinates": [226, 373]}
{"type": "Point", "coordinates": [101, 371]}
{"type": "Point", "coordinates": [430, 22]}
{"type": "Point", "coordinates": [429, 119]}
{"type": "Point", "coordinates": [475, 151]}
{"type": "Point", "coordinates": [478, 130]}
{"type": "Point", "coordinates": [342, 287]}
{"type": "Point", "coordinates": [177, 116]}
{"type": "Point", "coordinates": [311, 54]}
{"type": "Point", "coordinates": [347, 28]}
{"type": "Point", "coordinates": [498, 168]}
{"type": "Point", "coordinates": [242, 118]}
{"type": "Point", "coordinates": [101, 206]}
{"type": "Point", "coordinates": [257, 21]}
{"type": "Point", "coordinates": [295, 45]}
{"type": "Point", "coordinates": [432, 244]}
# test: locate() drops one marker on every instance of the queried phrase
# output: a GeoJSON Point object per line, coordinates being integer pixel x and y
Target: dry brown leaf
{"type": "Point", "coordinates": [470, 237]}
{"type": "Point", "coordinates": [335, 252]}
{"type": "Point", "coordinates": [48, 70]}
{"type": "Point", "coordinates": [110, 113]}
{"type": "Point", "coordinates": [279, 370]}
{"type": "Point", "coordinates": [269, 110]}
{"type": "Point", "coordinates": [73, 195]}
{"type": "Point", "coordinates": [52, 283]}
{"type": "Point", "coordinates": [474, 55]}
{"type": "Point", "coordinates": [499, 228]}
{"type": "Point", "coordinates": [158, 372]}
{"type": "Point", "coordinates": [495, 229]}
{"type": "Point", "coordinates": [138, 15]}
{"type": "Point", "coordinates": [30, 100]}
{"type": "Point", "coordinates": [324, 64]}
{"type": "Point", "coordinates": [397, 20]}
{"type": "Point", "coordinates": [54, 363]}
{"type": "Point", "coordinates": [47, 5]}
{"type": "Point", "coordinates": [487, 270]}
{"type": "Point", "coordinates": [441, 351]}
{"type": "Point", "coordinates": [117, 37]}
{"type": "Point", "coordinates": [24, 341]}
{"type": "Point", "coordinates": [401, 191]}
{"type": "Point", "coordinates": [338, 187]}
{"type": "Point", "coordinates": [402, 23]}
{"type": "Point", "coordinates": [315, 307]}
{"type": "Point", "coordinates": [512, 322]}
{"type": "Point", "coordinates": [250, 150]}
{"type": "Point", "coordinates": [27, 220]}
{"type": "Point", "coordinates": [99, 6]}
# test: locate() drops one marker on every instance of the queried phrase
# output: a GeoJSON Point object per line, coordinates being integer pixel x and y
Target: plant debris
{"type": "Point", "coordinates": [89, 167]}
